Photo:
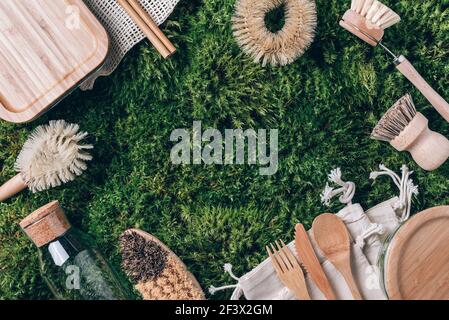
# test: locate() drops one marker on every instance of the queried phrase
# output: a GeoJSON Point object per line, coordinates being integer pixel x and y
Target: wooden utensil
{"type": "Point", "coordinates": [44, 54]}
{"type": "Point", "coordinates": [288, 269]}
{"type": "Point", "coordinates": [143, 21]}
{"type": "Point", "coordinates": [333, 238]}
{"type": "Point", "coordinates": [308, 258]}
{"type": "Point", "coordinates": [152, 25]}
{"type": "Point", "coordinates": [417, 259]}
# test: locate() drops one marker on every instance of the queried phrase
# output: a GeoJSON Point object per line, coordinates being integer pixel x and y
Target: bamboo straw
{"type": "Point", "coordinates": [157, 43]}
{"type": "Point", "coordinates": [153, 26]}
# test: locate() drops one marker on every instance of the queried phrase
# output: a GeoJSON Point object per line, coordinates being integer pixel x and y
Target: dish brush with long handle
{"type": "Point", "coordinates": [51, 156]}
{"type": "Point", "coordinates": [368, 19]}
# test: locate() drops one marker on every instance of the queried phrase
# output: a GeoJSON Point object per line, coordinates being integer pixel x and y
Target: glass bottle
{"type": "Point", "coordinates": [70, 263]}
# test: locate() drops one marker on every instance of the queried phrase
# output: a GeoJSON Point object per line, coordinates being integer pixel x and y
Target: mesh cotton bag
{"type": "Point", "coordinates": [368, 230]}
{"type": "Point", "coordinates": [123, 32]}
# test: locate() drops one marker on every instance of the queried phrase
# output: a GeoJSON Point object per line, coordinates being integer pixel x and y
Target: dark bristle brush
{"type": "Point", "coordinates": [408, 130]}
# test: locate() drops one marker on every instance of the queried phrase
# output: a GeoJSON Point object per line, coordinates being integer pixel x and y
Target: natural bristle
{"type": "Point", "coordinates": [395, 120]}
{"type": "Point", "coordinates": [376, 12]}
{"type": "Point", "coordinates": [142, 259]}
{"type": "Point", "coordinates": [275, 48]}
{"type": "Point", "coordinates": [52, 156]}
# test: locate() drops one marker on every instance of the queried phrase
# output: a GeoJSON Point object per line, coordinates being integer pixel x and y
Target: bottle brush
{"type": "Point", "coordinates": [50, 157]}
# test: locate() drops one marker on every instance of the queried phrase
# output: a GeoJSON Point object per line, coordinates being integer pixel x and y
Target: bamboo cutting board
{"type": "Point", "coordinates": [47, 47]}
{"type": "Point", "coordinates": [417, 261]}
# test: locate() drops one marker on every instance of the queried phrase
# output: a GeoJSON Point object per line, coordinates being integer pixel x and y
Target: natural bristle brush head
{"type": "Point", "coordinates": [367, 19]}
{"type": "Point", "coordinates": [277, 48]}
{"type": "Point", "coordinates": [157, 273]}
{"type": "Point", "coordinates": [53, 155]}
{"type": "Point", "coordinates": [407, 130]}
{"type": "Point", "coordinates": [395, 120]}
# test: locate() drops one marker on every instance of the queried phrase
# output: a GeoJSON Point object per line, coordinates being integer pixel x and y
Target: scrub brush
{"type": "Point", "coordinates": [368, 19]}
{"type": "Point", "coordinates": [157, 272]}
{"type": "Point", "coordinates": [276, 48]}
{"type": "Point", "coordinates": [51, 156]}
{"type": "Point", "coordinates": [407, 130]}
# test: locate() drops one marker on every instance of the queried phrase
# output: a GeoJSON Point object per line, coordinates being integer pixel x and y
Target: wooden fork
{"type": "Point", "coordinates": [288, 269]}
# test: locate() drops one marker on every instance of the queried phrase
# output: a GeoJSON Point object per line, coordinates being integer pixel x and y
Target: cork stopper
{"type": "Point", "coordinates": [45, 224]}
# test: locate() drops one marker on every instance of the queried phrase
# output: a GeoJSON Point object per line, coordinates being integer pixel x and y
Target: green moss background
{"type": "Point", "coordinates": [324, 105]}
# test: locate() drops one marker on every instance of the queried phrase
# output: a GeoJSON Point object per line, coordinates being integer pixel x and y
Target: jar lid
{"type": "Point", "coordinates": [417, 259]}
{"type": "Point", "coordinates": [45, 224]}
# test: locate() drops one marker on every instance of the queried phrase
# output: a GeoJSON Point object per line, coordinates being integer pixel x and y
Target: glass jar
{"type": "Point", "coordinates": [383, 258]}
{"type": "Point", "coordinates": [70, 263]}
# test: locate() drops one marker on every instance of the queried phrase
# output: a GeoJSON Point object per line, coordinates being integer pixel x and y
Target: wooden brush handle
{"type": "Point", "coordinates": [428, 148]}
{"type": "Point", "coordinates": [407, 69]}
{"type": "Point", "coordinates": [12, 187]}
{"type": "Point", "coordinates": [152, 25]}
{"type": "Point", "coordinates": [157, 43]}
{"type": "Point", "coordinates": [431, 150]}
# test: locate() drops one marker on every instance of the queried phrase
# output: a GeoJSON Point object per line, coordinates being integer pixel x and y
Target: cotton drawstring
{"type": "Point", "coordinates": [375, 228]}
{"type": "Point", "coordinates": [405, 185]}
{"type": "Point", "coordinates": [238, 291]}
{"type": "Point", "coordinates": [347, 189]}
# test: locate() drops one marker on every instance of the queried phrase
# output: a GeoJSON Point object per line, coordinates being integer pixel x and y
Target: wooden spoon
{"type": "Point", "coordinates": [333, 238]}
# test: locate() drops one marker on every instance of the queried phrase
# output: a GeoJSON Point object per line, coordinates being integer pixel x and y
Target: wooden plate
{"type": "Point", "coordinates": [417, 261]}
{"type": "Point", "coordinates": [47, 48]}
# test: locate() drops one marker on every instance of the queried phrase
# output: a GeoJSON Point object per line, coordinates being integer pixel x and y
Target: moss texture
{"type": "Point", "coordinates": [324, 105]}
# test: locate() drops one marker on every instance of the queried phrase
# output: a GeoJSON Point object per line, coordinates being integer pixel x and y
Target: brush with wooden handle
{"type": "Point", "coordinates": [309, 260]}
{"type": "Point", "coordinates": [148, 27]}
{"type": "Point", "coordinates": [368, 19]}
{"type": "Point", "coordinates": [51, 156]}
{"type": "Point", "coordinates": [408, 130]}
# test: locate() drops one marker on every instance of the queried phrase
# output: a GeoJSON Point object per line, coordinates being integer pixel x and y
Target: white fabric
{"type": "Point", "coordinates": [262, 283]}
{"type": "Point", "coordinates": [123, 32]}
{"type": "Point", "coordinates": [368, 230]}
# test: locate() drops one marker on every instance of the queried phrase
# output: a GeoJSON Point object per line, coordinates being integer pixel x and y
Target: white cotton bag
{"type": "Point", "coordinates": [367, 229]}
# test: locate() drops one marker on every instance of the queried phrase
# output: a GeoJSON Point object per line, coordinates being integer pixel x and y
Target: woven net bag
{"type": "Point", "coordinates": [123, 32]}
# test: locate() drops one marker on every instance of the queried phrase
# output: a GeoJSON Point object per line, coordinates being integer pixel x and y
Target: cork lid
{"type": "Point", "coordinates": [45, 224]}
{"type": "Point", "coordinates": [417, 263]}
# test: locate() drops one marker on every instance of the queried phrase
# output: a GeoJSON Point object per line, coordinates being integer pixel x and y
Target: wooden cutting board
{"type": "Point", "coordinates": [47, 47]}
{"type": "Point", "coordinates": [417, 260]}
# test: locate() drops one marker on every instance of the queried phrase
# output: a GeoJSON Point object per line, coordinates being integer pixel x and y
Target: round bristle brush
{"type": "Point", "coordinates": [276, 48]}
{"type": "Point", "coordinates": [51, 156]}
{"type": "Point", "coordinates": [408, 130]}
